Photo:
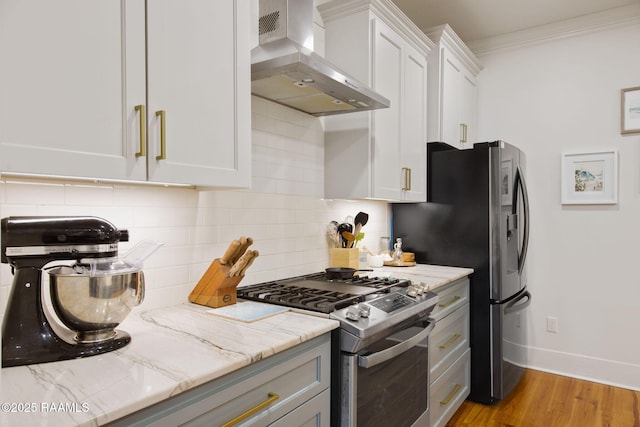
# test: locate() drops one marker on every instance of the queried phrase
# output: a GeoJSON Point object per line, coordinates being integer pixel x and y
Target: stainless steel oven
{"type": "Point", "coordinates": [380, 366]}
{"type": "Point", "coordinates": [387, 383]}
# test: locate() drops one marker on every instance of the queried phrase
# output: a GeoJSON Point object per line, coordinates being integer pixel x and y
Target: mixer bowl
{"type": "Point", "coordinates": [94, 305]}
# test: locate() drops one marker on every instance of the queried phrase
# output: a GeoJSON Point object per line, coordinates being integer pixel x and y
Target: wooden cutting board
{"type": "Point", "coordinates": [400, 263]}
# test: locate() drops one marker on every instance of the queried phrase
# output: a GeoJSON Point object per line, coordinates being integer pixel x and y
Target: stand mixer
{"type": "Point", "coordinates": [90, 298]}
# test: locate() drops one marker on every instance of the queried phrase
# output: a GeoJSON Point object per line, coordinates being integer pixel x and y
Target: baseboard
{"type": "Point", "coordinates": [610, 372]}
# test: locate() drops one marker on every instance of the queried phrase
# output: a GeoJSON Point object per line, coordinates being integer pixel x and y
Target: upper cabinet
{"type": "Point", "coordinates": [89, 90]}
{"type": "Point", "coordinates": [452, 89]}
{"type": "Point", "coordinates": [377, 154]}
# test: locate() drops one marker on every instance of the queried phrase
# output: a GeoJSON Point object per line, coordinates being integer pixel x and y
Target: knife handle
{"type": "Point", "coordinates": [231, 250]}
{"type": "Point", "coordinates": [244, 245]}
{"type": "Point", "coordinates": [252, 257]}
{"type": "Point", "coordinates": [239, 265]}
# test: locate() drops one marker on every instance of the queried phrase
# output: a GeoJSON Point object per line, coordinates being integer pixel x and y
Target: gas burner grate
{"type": "Point", "coordinates": [298, 297]}
{"type": "Point", "coordinates": [360, 280]}
{"type": "Point", "coordinates": [293, 293]}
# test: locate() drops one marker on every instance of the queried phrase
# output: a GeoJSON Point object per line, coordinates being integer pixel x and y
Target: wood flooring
{"type": "Point", "coordinates": [547, 400]}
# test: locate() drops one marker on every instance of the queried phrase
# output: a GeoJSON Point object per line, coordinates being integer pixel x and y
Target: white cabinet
{"type": "Point", "coordinates": [74, 86]}
{"type": "Point", "coordinates": [378, 154]}
{"type": "Point", "coordinates": [449, 352]}
{"type": "Point", "coordinates": [289, 389]}
{"type": "Point", "coordinates": [199, 75]}
{"type": "Point", "coordinates": [453, 70]}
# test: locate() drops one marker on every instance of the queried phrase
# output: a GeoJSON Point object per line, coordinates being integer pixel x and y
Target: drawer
{"type": "Point", "coordinates": [294, 381]}
{"type": "Point", "coordinates": [448, 340]}
{"type": "Point", "coordinates": [450, 297]}
{"type": "Point", "coordinates": [275, 386]}
{"type": "Point", "coordinates": [314, 413]}
{"type": "Point", "coordinates": [449, 390]}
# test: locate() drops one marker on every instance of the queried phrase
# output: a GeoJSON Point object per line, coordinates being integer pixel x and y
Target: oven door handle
{"type": "Point", "coordinates": [374, 359]}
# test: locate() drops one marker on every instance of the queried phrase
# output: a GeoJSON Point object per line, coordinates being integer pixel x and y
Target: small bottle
{"type": "Point", "coordinates": [397, 251]}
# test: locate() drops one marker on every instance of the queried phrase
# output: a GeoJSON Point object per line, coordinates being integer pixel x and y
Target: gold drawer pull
{"type": "Point", "coordinates": [407, 179]}
{"type": "Point", "coordinates": [143, 126]}
{"type": "Point", "coordinates": [451, 341]}
{"type": "Point", "coordinates": [454, 299]}
{"type": "Point", "coordinates": [451, 395]}
{"type": "Point", "coordinates": [272, 398]}
{"type": "Point", "coordinates": [163, 135]}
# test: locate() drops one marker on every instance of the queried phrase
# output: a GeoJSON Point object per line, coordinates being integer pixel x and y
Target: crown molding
{"type": "Point", "coordinates": [384, 9]}
{"type": "Point", "coordinates": [617, 17]}
{"type": "Point", "coordinates": [444, 34]}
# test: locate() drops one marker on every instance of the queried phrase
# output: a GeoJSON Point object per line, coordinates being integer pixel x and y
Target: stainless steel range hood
{"type": "Point", "coordinates": [285, 69]}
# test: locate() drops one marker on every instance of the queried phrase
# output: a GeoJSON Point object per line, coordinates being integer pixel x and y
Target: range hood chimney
{"type": "Point", "coordinates": [285, 69]}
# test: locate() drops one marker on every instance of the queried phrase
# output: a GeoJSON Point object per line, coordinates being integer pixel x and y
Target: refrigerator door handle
{"type": "Point", "coordinates": [520, 184]}
{"type": "Point", "coordinates": [513, 306]}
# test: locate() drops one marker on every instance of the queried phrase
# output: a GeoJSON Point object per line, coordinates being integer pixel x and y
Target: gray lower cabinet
{"type": "Point", "coordinates": [449, 352]}
{"type": "Point", "coordinates": [288, 389]}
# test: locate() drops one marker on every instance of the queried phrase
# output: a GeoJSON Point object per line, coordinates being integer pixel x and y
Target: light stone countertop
{"type": "Point", "coordinates": [172, 350]}
{"type": "Point", "coordinates": [432, 275]}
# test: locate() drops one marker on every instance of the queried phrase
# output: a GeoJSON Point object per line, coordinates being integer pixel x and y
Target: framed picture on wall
{"type": "Point", "coordinates": [630, 110]}
{"type": "Point", "coordinates": [590, 178]}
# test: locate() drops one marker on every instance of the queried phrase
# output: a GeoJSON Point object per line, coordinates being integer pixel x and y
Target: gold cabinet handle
{"type": "Point", "coordinates": [451, 395]}
{"type": "Point", "coordinates": [453, 339]}
{"type": "Point", "coordinates": [163, 135]}
{"type": "Point", "coordinates": [407, 179]}
{"type": "Point", "coordinates": [463, 133]}
{"type": "Point", "coordinates": [447, 304]}
{"type": "Point", "coordinates": [272, 397]}
{"type": "Point", "coordinates": [143, 133]}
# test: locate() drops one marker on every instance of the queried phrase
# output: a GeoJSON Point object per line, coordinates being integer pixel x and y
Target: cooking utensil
{"type": "Point", "coordinates": [341, 229]}
{"type": "Point", "coordinates": [92, 304]}
{"type": "Point", "coordinates": [349, 237]}
{"type": "Point", "coordinates": [332, 233]}
{"type": "Point", "coordinates": [360, 221]}
{"type": "Point", "coordinates": [341, 272]}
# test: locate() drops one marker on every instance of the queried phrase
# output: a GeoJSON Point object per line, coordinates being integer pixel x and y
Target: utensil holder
{"type": "Point", "coordinates": [215, 288]}
{"type": "Point", "coordinates": [342, 257]}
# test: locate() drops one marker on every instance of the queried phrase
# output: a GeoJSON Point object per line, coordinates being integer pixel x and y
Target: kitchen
{"type": "Point", "coordinates": [566, 109]}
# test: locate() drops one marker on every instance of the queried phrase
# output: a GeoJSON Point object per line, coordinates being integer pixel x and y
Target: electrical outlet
{"type": "Point", "coordinates": [552, 324]}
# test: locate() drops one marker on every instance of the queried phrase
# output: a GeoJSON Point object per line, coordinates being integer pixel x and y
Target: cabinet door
{"type": "Point", "coordinates": [387, 78]}
{"type": "Point", "coordinates": [198, 75]}
{"type": "Point", "coordinates": [451, 70]}
{"type": "Point", "coordinates": [67, 92]}
{"type": "Point", "coordinates": [468, 90]}
{"type": "Point", "coordinates": [414, 131]}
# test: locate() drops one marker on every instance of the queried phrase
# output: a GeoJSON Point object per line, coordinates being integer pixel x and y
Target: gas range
{"type": "Point", "coordinates": [381, 345]}
{"type": "Point", "coordinates": [366, 307]}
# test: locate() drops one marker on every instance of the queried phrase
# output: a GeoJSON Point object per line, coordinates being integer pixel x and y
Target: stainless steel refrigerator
{"type": "Point", "coordinates": [477, 215]}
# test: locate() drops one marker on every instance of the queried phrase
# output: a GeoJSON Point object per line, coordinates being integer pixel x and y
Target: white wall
{"type": "Point", "coordinates": [564, 95]}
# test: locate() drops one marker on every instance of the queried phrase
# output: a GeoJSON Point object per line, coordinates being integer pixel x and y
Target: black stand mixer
{"type": "Point", "coordinates": [90, 297]}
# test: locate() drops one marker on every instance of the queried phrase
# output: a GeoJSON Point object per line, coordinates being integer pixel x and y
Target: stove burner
{"type": "Point", "coordinates": [318, 293]}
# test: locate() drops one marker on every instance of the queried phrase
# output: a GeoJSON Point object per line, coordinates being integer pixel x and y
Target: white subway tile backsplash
{"type": "Point", "coordinates": [25, 192]}
{"type": "Point", "coordinates": [88, 195]}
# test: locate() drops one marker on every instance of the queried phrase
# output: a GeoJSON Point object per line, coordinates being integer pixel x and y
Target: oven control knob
{"type": "Point", "coordinates": [353, 313]}
{"type": "Point", "coordinates": [364, 309]}
{"type": "Point", "coordinates": [412, 291]}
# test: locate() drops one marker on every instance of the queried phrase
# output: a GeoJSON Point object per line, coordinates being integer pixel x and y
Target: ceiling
{"type": "Point", "coordinates": [475, 20]}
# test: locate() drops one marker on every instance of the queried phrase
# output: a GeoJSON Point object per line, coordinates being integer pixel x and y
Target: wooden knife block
{"type": "Point", "coordinates": [215, 288]}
